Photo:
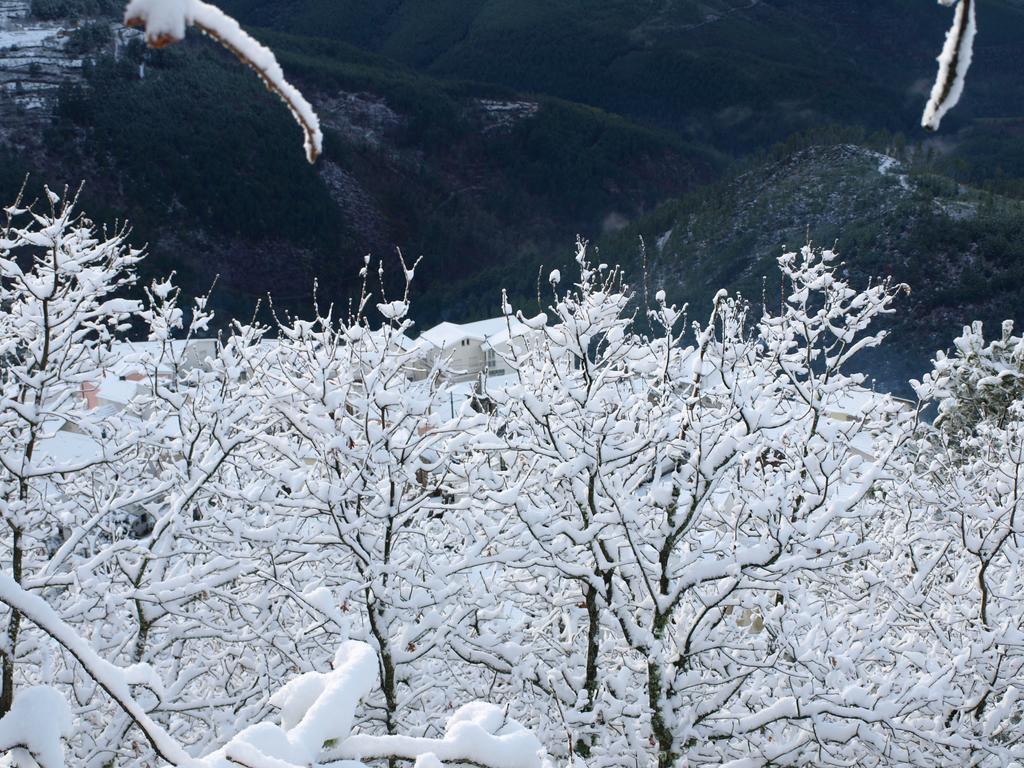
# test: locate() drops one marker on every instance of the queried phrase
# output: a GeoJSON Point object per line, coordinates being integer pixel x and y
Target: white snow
{"type": "Point", "coordinates": [67, 449]}
{"type": "Point", "coordinates": [888, 165]}
{"type": "Point", "coordinates": [29, 36]}
{"type": "Point", "coordinates": [114, 389]}
{"type": "Point", "coordinates": [39, 718]}
{"type": "Point", "coordinates": [663, 239]}
{"type": "Point", "coordinates": [477, 732]}
{"type": "Point", "coordinates": [393, 310]}
{"type": "Point", "coordinates": [316, 708]}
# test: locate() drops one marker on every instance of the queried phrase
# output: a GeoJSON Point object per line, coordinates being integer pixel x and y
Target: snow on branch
{"type": "Point", "coordinates": [315, 709]}
{"type": "Point", "coordinates": [112, 679]}
{"type": "Point", "coordinates": [318, 709]}
{"type": "Point", "coordinates": [165, 22]}
{"type": "Point", "coordinates": [36, 723]}
{"type": "Point", "coordinates": [954, 61]}
{"type": "Point", "coordinates": [479, 733]}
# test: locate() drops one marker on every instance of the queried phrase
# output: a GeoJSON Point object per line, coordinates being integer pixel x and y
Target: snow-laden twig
{"type": "Point", "coordinates": [954, 61]}
{"type": "Point", "coordinates": [165, 22]}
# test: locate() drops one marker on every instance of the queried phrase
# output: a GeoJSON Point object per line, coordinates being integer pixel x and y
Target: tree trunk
{"type": "Point", "coordinates": [13, 627]}
{"type": "Point", "coordinates": [584, 743]}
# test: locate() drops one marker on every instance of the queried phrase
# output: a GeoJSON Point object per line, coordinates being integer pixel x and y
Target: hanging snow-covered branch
{"type": "Point", "coordinates": [165, 21]}
{"type": "Point", "coordinates": [954, 61]}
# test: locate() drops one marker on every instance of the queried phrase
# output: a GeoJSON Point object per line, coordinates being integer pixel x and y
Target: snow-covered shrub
{"type": "Point", "coordinates": [58, 312]}
{"type": "Point", "coordinates": [368, 482]}
{"type": "Point", "coordinates": [978, 383]}
{"type": "Point", "coordinates": [953, 562]}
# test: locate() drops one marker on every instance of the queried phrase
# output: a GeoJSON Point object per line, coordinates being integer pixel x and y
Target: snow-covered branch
{"type": "Point", "coordinates": [165, 22]}
{"type": "Point", "coordinates": [954, 62]}
{"type": "Point", "coordinates": [113, 680]}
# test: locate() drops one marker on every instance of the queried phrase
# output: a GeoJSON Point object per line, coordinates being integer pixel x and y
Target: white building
{"type": "Point", "coordinates": [471, 351]}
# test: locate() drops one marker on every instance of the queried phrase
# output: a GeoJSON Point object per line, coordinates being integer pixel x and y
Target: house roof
{"type": "Point", "coordinates": [505, 334]}
{"type": "Point", "coordinates": [492, 331]}
{"type": "Point", "coordinates": [130, 354]}
{"type": "Point", "coordinates": [403, 342]}
{"type": "Point", "coordinates": [66, 449]}
{"type": "Point", "coordinates": [114, 389]}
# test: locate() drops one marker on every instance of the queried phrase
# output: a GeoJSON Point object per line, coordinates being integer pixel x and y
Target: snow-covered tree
{"type": "Point", "coordinates": [113, 514]}
{"type": "Point", "coordinates": [58, 312]}
{"type": "Point", "coordinates": [186, 578]}
{"type": "Point", "coordinates": [369, 526]}
{"type": "Point", "coordinates": [979, 382]}
{"type": "Point", "coordinates": [698, 504]}
{"type": "Point", "coordinates": [953, 559]}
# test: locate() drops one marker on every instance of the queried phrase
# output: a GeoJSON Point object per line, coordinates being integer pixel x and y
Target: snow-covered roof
{"type": "Point", "coordinates": [856, 401]}
{"type": "Point", "coordinates": [23, 37]}
{"type": "Point", "coordinates": [491, 331]}
{"type": "Point", "coordinates": [66, 448]}
{"type": "Point", "coordinates": [106, 411]}
{"type": "Point", "coordinates": [403, 342]}
{"type": "Point", "coordinates": [189, 351]}
{"type": "Point", "coordinates": [505, 335]}
{"type": "Point", "coordinates": [153, 347]}
{"type": "Point", "coordinates": [114, 389]}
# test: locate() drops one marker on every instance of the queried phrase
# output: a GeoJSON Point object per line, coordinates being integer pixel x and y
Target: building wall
{"type": "Point", "coordinates": [466, 360]}
{"type": "Point", "coordinates": [504, 351]}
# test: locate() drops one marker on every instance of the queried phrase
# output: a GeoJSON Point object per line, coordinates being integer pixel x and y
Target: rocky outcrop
{"type": "Point", "coordinates": [364, 118]}
{"type": "Point", "coordinates": [495, 114]}
{"type": "Point", "coordinates": [35, 58]}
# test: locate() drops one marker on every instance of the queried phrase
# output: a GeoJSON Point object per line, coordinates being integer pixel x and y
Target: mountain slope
{"type": "Point", "coordinates": [960, 250]}
{"type": "Point", "coordinates": [207, 167]}
{"type": "Point", "coordinates": [738, 73]}
{"type": "Point", "coordinates": [488, 183]}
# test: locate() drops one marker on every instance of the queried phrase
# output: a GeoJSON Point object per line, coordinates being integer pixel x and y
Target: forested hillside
{"type": "Point", "coordinates": [469, 176]}
{"type": "Point", "coordinates": [736, 73]}
{"type": "Point", "coordinates": [960, 249]}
